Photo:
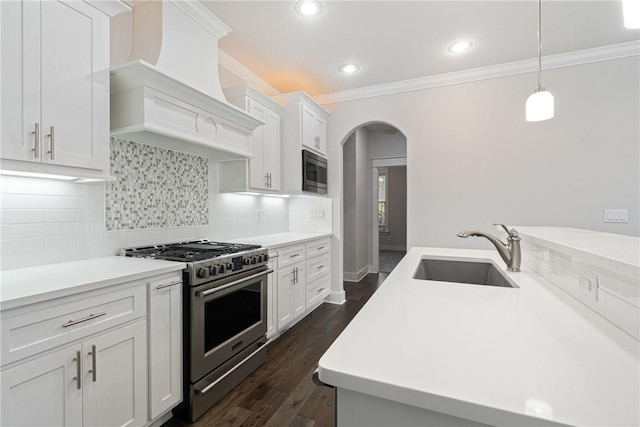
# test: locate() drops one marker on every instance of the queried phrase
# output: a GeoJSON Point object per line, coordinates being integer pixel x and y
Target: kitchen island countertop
{"type": "Point", "coordinates": [530, 355]}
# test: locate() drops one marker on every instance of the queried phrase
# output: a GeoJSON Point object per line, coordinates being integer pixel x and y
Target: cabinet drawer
{"type": "Point", "coordinates": [318, 247]}
{"type": "Point", "coordinates": [40, 327]}
{"type": "Point", "coordinates": [290, 255]}
{"type": "Point", "coordinates": [318, 267]}
{"type": "Point", "coordinates": [318, 291]}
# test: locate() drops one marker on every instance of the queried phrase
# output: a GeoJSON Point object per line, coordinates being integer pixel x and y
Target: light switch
{"type": "Point", "coordinates": [616, 215]}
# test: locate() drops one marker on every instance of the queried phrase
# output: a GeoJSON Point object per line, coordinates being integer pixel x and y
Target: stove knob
{"type": "Point", "coordinates": [254, 260]}
{"type": "Point", "coordinates": [265, 257]}
{"type": "Point", "coordinates": [213, 270]}
{"type": "Point", "coordinates": [203, 273]}
{"type": "Point", "coordinates": [247, 261]}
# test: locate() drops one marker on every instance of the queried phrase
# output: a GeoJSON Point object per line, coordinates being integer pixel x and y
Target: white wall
{"type": "Point", "coordinates": [349, 192]}
{"type": "Point", "coordinates": [383, 145]}
{"type": "Point", "coordinates": [473, 160]}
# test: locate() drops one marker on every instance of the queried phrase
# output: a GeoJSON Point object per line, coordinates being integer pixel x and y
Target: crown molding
{"type": "Point", "coordinates": [579, 57]}
{"type": "Point", "coordinates": [202, 16]}
{"type": "Point", "coordinates": [232, 65]}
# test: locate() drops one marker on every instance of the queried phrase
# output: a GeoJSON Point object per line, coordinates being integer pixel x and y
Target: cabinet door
{"type": "Point", "coordinates": [257, 178]}
{"type": "Point", "coordinates": [308, 128]}
{"type": "Point", "coordinates": [75, 84]}
{"type": "Point", "coordinates": [44, 391]}
{"type": "Point", "coordinates": [165, 345]}
{"type": "Point", "coordinates": [299, 291]}
{"type": "Point", "coordinates": [285, 301]}
{"type": "Point", "coordinates": [115, 377]}
{"type": "Point", "coordinates": [272, 302]}
{"type": "Point", "coordinates": [20, 80]}
{"type": "Point", "coordinates": [320, 132]}
{"type": "Point", "coordinates": [271, 148]}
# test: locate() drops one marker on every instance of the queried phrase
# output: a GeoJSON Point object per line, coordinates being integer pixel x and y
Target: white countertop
{"type": "Point", "coordinates": [34, 284]}
{"type": "Point", "coordinates": [498, 356]}
{"type": "Point", "coordinates": [274, 241]}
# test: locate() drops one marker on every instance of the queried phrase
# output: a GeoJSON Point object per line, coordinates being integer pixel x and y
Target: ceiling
{"type": "Point", "coordinates": [398, 40]}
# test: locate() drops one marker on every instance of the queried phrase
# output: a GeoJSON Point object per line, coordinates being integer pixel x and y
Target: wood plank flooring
{"type": "Point", "coordinates": [280, 393]}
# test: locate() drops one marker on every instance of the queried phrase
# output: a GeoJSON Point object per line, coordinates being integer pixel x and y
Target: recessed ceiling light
{"type": "Point", "coordinates": [309, 8]}
{"type": "Point", "coordinates": [349, 68]}
{"type": "Point", "coordinates": [460, 46]}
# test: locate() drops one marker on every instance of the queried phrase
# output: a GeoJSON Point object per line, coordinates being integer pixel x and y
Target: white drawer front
{"type": "Point", "coordinates": [290, 255]}
{"type": "Point", "coordinates": [40, 327]}
{"type": "Point", "coordinates": [318, 247]}
{"type": "Point", "coordinates": [318, 267]}
{"type": "Point", "coordinates": [318, 291]}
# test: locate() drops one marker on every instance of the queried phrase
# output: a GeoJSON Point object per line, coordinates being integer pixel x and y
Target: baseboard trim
{"type": "Point", "coordinates": [355, 277]}
{"type": "Point", "coordinates": [338, 298]}
{"type": "Point", "coordinates": [394, 248]}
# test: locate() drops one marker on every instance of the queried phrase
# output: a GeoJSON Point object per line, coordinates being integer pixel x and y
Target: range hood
{"type": "Point", "coordinates": [166, 90]}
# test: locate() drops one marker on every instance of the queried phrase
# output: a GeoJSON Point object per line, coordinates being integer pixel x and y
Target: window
{"type": "Point", "coordinates": [383, 208]}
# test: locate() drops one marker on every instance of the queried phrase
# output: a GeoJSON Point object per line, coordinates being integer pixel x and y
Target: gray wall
{"type": "Point", "coordinates": [357, 212]}
{"type": "Point", "coordinates": [396, 238]}
{"type": "Point", "coordinates": [473, 159]}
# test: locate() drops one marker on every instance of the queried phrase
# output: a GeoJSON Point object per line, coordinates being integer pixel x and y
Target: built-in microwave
{"type": "Point", "coordinates": [314, 173]}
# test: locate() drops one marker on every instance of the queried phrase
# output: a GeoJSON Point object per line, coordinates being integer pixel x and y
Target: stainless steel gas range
{"type": "Point", "coordinates": [225, 319]}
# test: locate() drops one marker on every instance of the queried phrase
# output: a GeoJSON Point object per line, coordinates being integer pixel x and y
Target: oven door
{"type": "Point", "coordinates": [227, 316]}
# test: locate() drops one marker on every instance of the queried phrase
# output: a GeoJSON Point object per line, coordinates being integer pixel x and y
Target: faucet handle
{"type": "Point", "coordinates": [511, 233]}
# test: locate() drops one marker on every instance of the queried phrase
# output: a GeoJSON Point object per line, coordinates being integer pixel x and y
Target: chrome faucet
{"type": "Point", "coordinates": [510, 251]}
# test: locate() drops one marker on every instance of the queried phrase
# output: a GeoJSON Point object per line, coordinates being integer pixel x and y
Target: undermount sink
{"type": "Point", "coordinates": [462, 271]}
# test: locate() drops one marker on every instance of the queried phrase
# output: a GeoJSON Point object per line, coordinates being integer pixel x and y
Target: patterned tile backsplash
{"type": "Point", "coordinates": [155, 188]}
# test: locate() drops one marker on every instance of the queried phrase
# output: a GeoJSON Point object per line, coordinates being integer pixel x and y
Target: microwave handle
{"type": "Point", "coordinates": [228, 285]}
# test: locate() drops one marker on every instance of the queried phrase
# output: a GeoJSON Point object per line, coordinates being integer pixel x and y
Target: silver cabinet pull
{"type": "Point", "coordinates": [232, 370]}
{"type": "Point", "coordinates": [294, 255]}
{"type": "Point", "coordinates": [84, 319]}
{"type": "Point", "coordinates": [320, 248]}
{"type": "Point", "coordinates": [52, 141]}
{"type": "Point", "coordinates": [78, 377]}
{"type": "Point", "coordinates": [36, 141]}
{"type": "Point", "coordinates": [166, 285]}
{"type": "Point", "coordinates": [320, 267]}
{"type": "Point", "coordinates": [320, 290]}
{"type": "Point", "coordinates": [93, 363]}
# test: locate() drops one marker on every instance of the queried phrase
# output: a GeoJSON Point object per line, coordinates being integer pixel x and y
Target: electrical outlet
{"type": "Point", "coordinates": [616, 215]}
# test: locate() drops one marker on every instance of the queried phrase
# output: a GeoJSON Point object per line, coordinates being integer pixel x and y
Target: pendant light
{"type": "Point", "coordinates": [540, 104]}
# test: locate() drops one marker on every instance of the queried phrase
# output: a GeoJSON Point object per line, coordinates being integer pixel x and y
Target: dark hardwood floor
{"type": "Point", "coordinates": [280, 393]}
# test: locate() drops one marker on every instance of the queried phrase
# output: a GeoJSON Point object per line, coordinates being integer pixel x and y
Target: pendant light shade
{"type": "Point", "coordinates": [540, 105]}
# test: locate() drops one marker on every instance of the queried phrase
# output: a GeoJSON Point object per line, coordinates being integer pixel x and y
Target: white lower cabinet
{"type": "Point", "coordinates": [100, 382]}
{"type": "Point", "coordinates": [114, 375]}
{"type": "Point", "coordinates": [49, 382]}
{"type": "Point", "coordinates": [107, 357]}
{"type": "Point", "coordinates": [302, 281]}
{"type": "Point", "coordinates": [165, 344]}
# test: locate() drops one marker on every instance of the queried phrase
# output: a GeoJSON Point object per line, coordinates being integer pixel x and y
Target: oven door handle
{"type": "Point", "coordinates": [228, 285]}
{"type": "Point", "coordinates": [245, 360]}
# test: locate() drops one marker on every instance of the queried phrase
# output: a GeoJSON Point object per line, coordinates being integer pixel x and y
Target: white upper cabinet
{"type": "Point", "coordinates": [304, 128]}
{"type": "Point", "coordinates": [314, 130]}
{"type": "Point", "coordinates": [55, 85]}
{"type": "Point", "coordinates": [262, 170]}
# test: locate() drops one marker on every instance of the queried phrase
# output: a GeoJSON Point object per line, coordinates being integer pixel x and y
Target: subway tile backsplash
{"type": "Point", "coordinates": [45, 221]}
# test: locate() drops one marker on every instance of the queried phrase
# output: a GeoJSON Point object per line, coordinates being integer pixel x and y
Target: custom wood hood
{"type": "Point", "coordinates": [166, 90]}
